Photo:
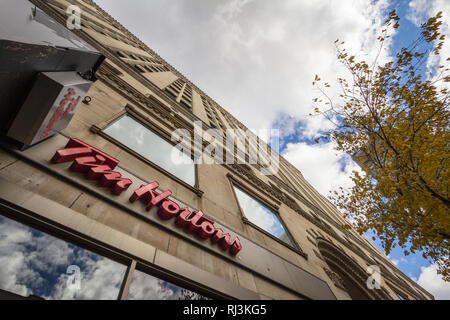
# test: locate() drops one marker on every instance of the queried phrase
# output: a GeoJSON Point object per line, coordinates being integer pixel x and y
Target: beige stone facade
{"type": "Point", "coordinates": [326, 262]}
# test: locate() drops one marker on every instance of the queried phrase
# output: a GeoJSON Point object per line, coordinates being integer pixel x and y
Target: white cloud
{"type": "Point", "coordinates": [14, 273]}
{"type": "Point", "coordinates": [433, 283]}
{"type": "Point", "coordinates": [150, 288]}
{"type": "Point", "coordinates": [316, 125]}
{"type": "Point", "coordinates": [322, 166]}
{"type": "Point", "coordinates": [257, 59]}
{"type": "Point", "coordinates": [100, 280]}
{"type": "Point", "coordinates": [418, 13]}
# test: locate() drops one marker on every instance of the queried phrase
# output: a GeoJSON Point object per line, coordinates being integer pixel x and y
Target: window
{"type": "Point", "coordinates": [401, 297]}
{"type": "Point", "coordinates": [146, 287]}
{"type": "Point", "coordinates": [121, 54]}
{"type": "Point", "coordinates": [139, 68]}
{"type": "Point", "coordinates": [159, 151]}
{"type": "Point", "coordinates": [37, 265]}
{"type": "Point", "coordinates": [263, 217]}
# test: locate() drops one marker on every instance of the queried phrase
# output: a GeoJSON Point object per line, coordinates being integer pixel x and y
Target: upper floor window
{"type": "Point", "coordinates": [401, 297]}
{"type": "Point", "coordinates": [151, 146]}
{"type": "Point", "coordinates": [263, 217]}
{"type": "Point", "coordinates": [139, 68]}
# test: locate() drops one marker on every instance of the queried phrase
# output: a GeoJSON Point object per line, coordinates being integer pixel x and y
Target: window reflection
{"type": "Point", "coordinates": [262, 216]}
{"type": "Point", "coordinates": [146, 287]}
{"type": "Point", "coordinates": [401, 297]}
{"type": "Point", "coordinates": [140, 139]}
{"type": "Point", "coordinates": [35, 263]}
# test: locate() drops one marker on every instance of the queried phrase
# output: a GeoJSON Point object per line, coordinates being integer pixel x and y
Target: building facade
{"type": "Point", "coordinates": [99, 210]}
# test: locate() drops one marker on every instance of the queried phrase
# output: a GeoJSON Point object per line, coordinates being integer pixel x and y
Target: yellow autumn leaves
{"type": "Point", "coordinates": [395, 124]}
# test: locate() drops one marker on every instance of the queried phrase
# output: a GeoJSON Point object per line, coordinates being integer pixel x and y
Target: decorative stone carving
{"type": "Point", "coordinates": [337, 280]}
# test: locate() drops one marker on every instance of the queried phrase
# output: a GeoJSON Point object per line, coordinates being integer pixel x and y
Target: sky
{"type": "Point", "coordinates": [258, 58]}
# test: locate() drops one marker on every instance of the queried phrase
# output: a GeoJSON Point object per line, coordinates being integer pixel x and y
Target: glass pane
{"type": "Point", "coordinates": [262, 216]}
{"type": "Point", "coordinates": [35, 263]}
{"type": "Point", "coordinates": [146, 287]}
{"type": "Point", "coordinates": [401, 297]}
{"type": "Point", "coordinates": [140, 139]}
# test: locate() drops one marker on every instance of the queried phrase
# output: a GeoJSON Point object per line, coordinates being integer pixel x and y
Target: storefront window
{"type": "Point", "coordinates": [37, 264]}
{"type": "Point", "coordinates": [262, 216]}
{"type": "Point", "coordinates": [140, 139]}
{"type": "Point", "coordinates": [146, 287]}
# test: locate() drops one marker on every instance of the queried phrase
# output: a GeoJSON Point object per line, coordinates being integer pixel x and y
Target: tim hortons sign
{"type": "Point", "coordinates": [49, 106]}
{"type": "Point", "coordinates": [97, 165]}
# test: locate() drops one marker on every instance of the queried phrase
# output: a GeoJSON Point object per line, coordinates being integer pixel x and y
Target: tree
{"type": "Point", "coordinates": [395, 125]}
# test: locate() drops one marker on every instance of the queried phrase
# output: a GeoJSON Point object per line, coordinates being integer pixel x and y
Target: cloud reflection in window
{"type": "Point", "coordinates": [262, 216]}
{"type": "Point", "coordinates": [35, 263]}
{"type": "Point", "coordinates": [145, 142]}
{"type": "Point", "coordinates": [146, 287]}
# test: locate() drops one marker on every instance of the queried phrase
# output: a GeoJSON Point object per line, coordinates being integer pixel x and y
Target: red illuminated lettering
{"type": "Point", "coordinates": [193, 222]}
{"type": "Point", "coordinates": [224, 241]}
{"type": "Point", "coordinates": [76, 148]}
{"type": "Point", "coordinates": [115, 180]}
{"type": "Point", "coordinates": [149, 196]}
{"type": "Point", "coordinates": [190, 221]}
{"type": "Point", "coordinates": [96, 164]}
{"type": "Point", "coordinates": [206, 229]}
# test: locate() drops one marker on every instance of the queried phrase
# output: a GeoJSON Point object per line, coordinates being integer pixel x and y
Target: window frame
{"type": "Point", "coordinates": [147, 123]}
{"type": "Point", "coordinates": [273, 207]}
